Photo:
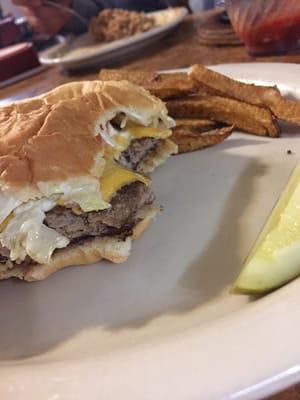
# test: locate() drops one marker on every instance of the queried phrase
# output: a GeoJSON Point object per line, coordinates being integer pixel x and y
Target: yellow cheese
{"type": "Point", "coordinates": [75, 208]}
{"type": "Point", "coordinates": [122, 141]}
{"type": "Point", "coordinates": [138, 132]}
{"type": "Point", "coordinates": [130, 133]}
{"type": "Point", "coordinates": [115, 177]}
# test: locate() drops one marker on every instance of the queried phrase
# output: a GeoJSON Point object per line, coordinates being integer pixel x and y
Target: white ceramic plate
{"type": "Point", "coordinates": [85, 53]}
{"type": "Point", "coordinates": [163, 325]}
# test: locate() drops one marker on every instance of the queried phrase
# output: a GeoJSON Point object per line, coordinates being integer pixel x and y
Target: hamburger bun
{"type": "Point", "coordinates": [56, 136]}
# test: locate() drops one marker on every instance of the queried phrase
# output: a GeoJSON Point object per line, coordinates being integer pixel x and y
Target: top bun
{"type": "Point", "coordinates": [55, 136]}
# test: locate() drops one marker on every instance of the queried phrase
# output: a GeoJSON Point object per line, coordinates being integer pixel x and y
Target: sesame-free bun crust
{"type": "Point", "coordinates": [56, 136]}
{"type": "Point", "coordinates": [89, 252]}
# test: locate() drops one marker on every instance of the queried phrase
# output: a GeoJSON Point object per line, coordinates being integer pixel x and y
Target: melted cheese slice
{"type": "Point", "coordinates": [138, 132]}
{"type": "Point", "coordinates": [131, 132]}
{"type": "Point", "coordinates": [115, 177]}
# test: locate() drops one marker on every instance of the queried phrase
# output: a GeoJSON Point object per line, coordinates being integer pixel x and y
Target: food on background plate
{"type": "Point", "coordinates": [274, 260]}
{"type": "Point", "coordinates": [114, 24]}
{"type": "Point", "coordinates": [65, 198]}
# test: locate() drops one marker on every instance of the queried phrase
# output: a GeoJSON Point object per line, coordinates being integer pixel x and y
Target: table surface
{"type": "Point", "coordinates": [180, 49]}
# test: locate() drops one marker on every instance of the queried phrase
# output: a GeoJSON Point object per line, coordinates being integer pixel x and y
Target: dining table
{"type": "Point", "coordinates": [181, 48]}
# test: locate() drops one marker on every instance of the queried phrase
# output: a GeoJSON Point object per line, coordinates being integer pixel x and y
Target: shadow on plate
{"type": "Point", "coordinates": [289, 129]}
{"type": "Point", "coordinates": [236, 142]}
{"type": "Point", "coordinates": [220, 262]}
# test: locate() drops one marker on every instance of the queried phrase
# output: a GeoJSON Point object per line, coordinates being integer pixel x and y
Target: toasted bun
{"type": "Point", "coordinates": [56, 136]}
{"type": "Point", "coordinates": [89, 252]}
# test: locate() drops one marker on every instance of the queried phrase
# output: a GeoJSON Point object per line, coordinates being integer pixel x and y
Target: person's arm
{"type": "Point", "coordinates": [86, 8]}
{"type": "Point", "coordinates": [44, 19]}
{"type": "Point", "coordinates": [50, 20]}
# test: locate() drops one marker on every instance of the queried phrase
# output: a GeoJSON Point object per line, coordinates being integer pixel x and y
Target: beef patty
{"type": "Point", "coordinates": [121, 215]}
{"type": "Point", "coordinates": [117, 220]}
{"type": "Point", "coordinates": [137, 150]}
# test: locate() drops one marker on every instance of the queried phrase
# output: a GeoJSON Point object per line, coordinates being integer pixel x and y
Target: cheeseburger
{"type": "Point", "coordinates": [73, 188]}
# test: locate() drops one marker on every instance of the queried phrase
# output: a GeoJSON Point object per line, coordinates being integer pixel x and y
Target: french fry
{"type": "Point", "coordinates": [268, 97]}
{"type": "Point", "coordinates": [139, 77]}
{"type": "Point", "coordinates": [189, 140]}
{"type": "Point", "coordinates": [164, 86]}
{"type": "Point", "coordinates": [220, 85]}
{"type": "Point", "coordinates": [201, 125]}
{"type": "Point", "coordinates": [285, 109]}
{"type": "Point", "coordinates": [246, 117]}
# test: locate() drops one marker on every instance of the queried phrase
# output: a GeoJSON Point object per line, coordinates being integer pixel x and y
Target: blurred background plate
{"type": "Point", "coordinates": [84, 52]}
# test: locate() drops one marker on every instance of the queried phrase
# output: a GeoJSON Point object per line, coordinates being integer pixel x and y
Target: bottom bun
{"type": "Point", "coordinates": [91, 251]}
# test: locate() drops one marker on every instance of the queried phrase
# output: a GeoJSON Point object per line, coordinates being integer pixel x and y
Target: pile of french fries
{"type": "Point", "coordinates": [208, 106]}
